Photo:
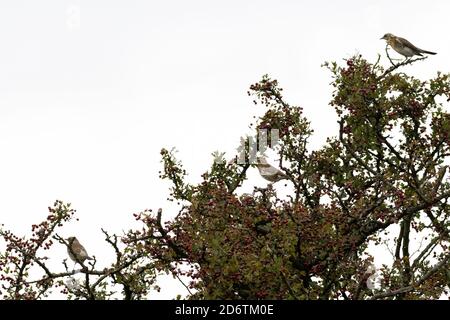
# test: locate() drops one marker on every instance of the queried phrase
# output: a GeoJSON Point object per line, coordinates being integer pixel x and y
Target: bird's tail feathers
{"type": "Point", "coordinates": [428, 52]}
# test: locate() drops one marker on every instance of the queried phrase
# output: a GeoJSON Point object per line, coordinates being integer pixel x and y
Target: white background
{"type": "Point", "coordinates": [90, 91]}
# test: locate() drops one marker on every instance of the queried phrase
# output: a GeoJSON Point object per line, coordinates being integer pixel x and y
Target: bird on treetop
{"type": "Point", "coordinates": [403, 46]}
{"type": "Point", "coordinates": [269, 172]}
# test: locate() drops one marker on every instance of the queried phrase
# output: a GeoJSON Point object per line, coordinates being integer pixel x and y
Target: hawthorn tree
{"type": "Point", "coordinates": [382, 181]}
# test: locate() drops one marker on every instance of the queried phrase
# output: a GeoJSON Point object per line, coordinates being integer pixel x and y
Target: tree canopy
{"type": "Point", "coordinates": [381, 181]}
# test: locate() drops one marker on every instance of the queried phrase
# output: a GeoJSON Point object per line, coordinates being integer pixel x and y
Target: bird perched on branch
{"type": "Point", "coordinates": [403, 46]}
{"type": "Point", "coordinates": [76, 251]}
{"type": "Point", "coordinates": [269, 172]}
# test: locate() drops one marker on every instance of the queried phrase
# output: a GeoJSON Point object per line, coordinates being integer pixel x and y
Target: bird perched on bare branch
{"type": "Point", "coordinates": [403, 46]}
{"type": "Point", "coordinates": [269, 172]}
{"type": "Point", "coordinates": [76, 251]}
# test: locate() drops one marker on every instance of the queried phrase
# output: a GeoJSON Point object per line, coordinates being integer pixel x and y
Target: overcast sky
{"type": "Point", "coordinates": [90, 91]}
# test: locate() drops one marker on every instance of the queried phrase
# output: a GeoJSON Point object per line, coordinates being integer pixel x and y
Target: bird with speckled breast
{"type": "Point", "coordinates": [403, 46]}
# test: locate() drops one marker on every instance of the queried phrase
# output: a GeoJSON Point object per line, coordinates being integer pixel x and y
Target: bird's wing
{"type": "Point", "coordinates": [409, 44]}
{"type": "Point", "coordinates": [83, 252]}
{"type": "Point", "coordinates": [269, 170]}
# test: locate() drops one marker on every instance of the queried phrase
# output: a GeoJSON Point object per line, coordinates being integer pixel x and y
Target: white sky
{"type": "Point", "coordinates": [90, 91]}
